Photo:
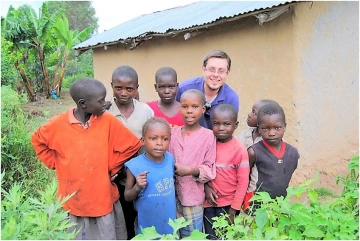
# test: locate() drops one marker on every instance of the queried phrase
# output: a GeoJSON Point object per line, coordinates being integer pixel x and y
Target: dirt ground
{"type": "Point", "coordinates": [328, 172]}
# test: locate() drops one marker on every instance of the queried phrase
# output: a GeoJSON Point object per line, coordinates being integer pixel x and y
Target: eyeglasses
{"type": "Point", "coordinates": [207, 110]}
{"type": "Point", "coordinates": [219, 71]}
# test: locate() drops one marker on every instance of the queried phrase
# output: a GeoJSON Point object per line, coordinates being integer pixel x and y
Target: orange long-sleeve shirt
{"type": "Point", "coordinates": [85, 159]}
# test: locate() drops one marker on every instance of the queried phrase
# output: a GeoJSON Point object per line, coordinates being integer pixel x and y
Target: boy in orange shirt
{"type": "Point", "coordinates": [86, 147]}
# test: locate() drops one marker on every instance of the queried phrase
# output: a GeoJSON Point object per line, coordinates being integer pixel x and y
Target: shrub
{"type": "Point", "coordinates": [279, 219]}
{"type": "Point", "coordinates": [23, 217]}
{"type": "Point", "coordinates": [17, 155]}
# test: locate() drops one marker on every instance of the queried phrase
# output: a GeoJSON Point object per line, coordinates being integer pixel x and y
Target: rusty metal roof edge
{"type": "Point", "coordinates": [219, 20]}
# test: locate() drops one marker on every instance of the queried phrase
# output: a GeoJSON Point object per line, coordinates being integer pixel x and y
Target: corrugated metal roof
{"type": "Point", "coordinates": [175, 19]}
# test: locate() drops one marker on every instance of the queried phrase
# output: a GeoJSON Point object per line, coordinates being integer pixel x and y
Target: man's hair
{"type": "Point", "coordinates": [270, 109]}
{"type": "Point", "coordinates": [126, 72]}
{"type": "Point", "coordinates": [152, 121]}
{"type": "Point", "coordinates": [227, 108]}
{"type": "Point", "coordinates": [84, 87]}
{"type": "Point", "coordinates": [217, 54]}
{"type": "Point", "coordinates": [196, 92]}
{"type": "Point", "coordinates": [164, 71]}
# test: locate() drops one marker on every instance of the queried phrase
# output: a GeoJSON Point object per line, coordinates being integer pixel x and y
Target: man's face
{"type": "Point", "coordinates": [215, 73]}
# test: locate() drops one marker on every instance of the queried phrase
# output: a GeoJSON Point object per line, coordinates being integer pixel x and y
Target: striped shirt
{"type": "Point", "coordinates": [232, 174]}
{"type": "Point", "coordinates": [197, 149]}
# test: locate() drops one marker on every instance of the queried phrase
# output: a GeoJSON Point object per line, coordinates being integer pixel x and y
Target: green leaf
{"type": "Point", "coordinates": [261, 218]}
{"type": "Point", "coordinates": [313, 232]}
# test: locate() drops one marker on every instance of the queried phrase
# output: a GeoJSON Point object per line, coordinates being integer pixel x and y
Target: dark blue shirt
{"type": "Point", "coordinates": [226, 95]}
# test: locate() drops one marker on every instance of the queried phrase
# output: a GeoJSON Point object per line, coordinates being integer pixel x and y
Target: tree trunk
{"type": "Point", "coordinates": [62, 73]}
{"type": "Point", "coordinates": [46, 82]}
{"type": "Point", "coordinates": [29, 90]}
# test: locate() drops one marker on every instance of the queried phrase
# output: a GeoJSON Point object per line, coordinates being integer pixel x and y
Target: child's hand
{"type": "Point", "coordinates": [210, 195]}
{"type": "Point", "coordinates": [232, 213]}
{"type": "Point", "coordinates": [107, 104]}
{"type": "Point", "coordinates": [141, 180]}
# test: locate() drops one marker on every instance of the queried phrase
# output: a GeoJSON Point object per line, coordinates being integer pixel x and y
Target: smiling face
{"type": "Point", "coordinates": [166, 87]}
{"type": "Point", "coordinates": [95, 102]}
{"type": "Point", "coordinates": [215, 73]}
{"type": "Point", "coordinates": [272, 128]}
{"type": "Point", "coordinates": [224, 125]}
{"type": "Point", "coordinates": [192, 107]}
{"type": "Point", "coordinates": [124, 89]}
{"type": "Point", "coordinates": [156, 141]}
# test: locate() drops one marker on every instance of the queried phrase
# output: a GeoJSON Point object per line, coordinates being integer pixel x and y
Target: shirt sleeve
{"type": "Point", "coordinates": [242, 173]}
{"type": "Point", "coordinates": [124, 145]}
{"type": "Point", "coordinates": [40, 141]}
{"type": "Point", "coordinates": [207, 169]}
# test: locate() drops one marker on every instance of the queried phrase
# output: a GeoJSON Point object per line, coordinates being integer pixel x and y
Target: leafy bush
{"type": "Point", "coordinates": [280, 219]}
{"type": "Point", "coordinates": [23, 217]}
{"type": "Point", "coordinates": [151, 233]}
{"type": "Point", "coordinates": [17, 155]}
{"type": "Point", "coordinates": [9, 75]}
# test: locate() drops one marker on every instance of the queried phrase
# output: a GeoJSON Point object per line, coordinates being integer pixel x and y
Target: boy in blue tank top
{"type": "Point", "coordinates": [275, 159]}
{"type": "Point", "coordinates": [150, 179]}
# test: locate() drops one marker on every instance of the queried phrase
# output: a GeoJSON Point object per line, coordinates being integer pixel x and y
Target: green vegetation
{"type": "Point", "coordinates": [24, 217]}
{"type": "Point", "coordinates": [40, 46]}
{"type": "Point", "coordinates": [324, 192]}
{"type": "Point", "coordinates": [280, 219]}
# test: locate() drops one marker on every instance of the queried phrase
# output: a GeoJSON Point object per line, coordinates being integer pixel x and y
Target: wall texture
{"type": "Point", "coordinates": [307, 59]}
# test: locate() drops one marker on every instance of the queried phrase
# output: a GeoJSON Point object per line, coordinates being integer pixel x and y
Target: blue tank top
{"type": "Point", "coordinates": [156, 202]}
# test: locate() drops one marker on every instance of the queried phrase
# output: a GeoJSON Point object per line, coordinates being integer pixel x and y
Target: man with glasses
{"type": "Point", "coordinates": [215, 69]}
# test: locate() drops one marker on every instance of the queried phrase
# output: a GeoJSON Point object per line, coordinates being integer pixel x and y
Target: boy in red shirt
{"type": "Point", "coordinates": [86, 147]}
{"type": "Point", "coordinates": [227, 191]}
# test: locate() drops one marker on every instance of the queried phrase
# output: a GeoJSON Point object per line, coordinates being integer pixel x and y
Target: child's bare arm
{"type": "Point", "coordinates": [251, 154]}
{"type": "Point", "coordinates": [134, 185]}
{"type": "Point", "coordinates": [185, 170]}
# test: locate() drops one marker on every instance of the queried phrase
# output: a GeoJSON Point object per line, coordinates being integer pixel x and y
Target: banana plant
{"type": "Point", "coordinates": [40, 29]}
{"type": "Point", "coordinates": [67, 38]}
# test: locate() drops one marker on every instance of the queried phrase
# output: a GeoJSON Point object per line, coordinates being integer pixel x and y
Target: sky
{"type": "Point", "coordinates": [111, 12]}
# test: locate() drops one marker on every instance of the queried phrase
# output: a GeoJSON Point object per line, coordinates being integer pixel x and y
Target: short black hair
{"type": "Point", "coordinates": [267, 101]}
{"type": "Point", "coordinates": [152, 121]}
{"type": "Point", "coordinates": [164, 71]}
{"type": "Point", "coordinates": [227, 108]}
{"type": "Point", "coordinates": [84, 87]}
{"type": "Point", "coordinates": [270, 109]}
{"type": "Point", "coordinates": [194, 91]}
{"type": "Point", "coordinates": [125, 71]}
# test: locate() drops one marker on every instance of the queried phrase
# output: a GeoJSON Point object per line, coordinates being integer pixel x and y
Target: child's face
{"type": "Point", "coordinates": [224, 125]}
{"type": "Point", "coordinates": [272, 128]}
{"type": "Point", "coordinates": [96, 104]}
{"type": "Point", "coordinates": [156, 141]}
{"type": "Point", "coordinates": [124, 89]}
{"type": "Point", "coordinates": [192, 108]}
{"type": "Point", "coordinates": [252, 116]}
{"type": "Point", "coordinates": [166, 87]}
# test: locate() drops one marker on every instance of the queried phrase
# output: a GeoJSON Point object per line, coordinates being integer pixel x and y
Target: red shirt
{"type": "Point", "coordinates": [232, 174]}
{"type": "Point", "coordinates": [174, 121]}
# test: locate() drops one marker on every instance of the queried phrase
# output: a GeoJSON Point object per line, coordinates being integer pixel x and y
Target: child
{"type": "Point", "coordinates": [194, 149]}
{"type": "Point", "coordinates": [124, 106]}
{"type": "Point", "coordinates": [225, 194]}
{"type": "Point", "coordinates": [249, 137]}
{"type": "Point", "coordinates": [86, 147]}
{"type": "Point", "coordinates": [167, 107]}
{"type": "Point", "coordinates": [133, 114]}
{"type": "Point", "coordinates": [150, 179]}
{"type": "Point", "coordinates": [275, 159]}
